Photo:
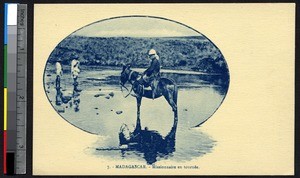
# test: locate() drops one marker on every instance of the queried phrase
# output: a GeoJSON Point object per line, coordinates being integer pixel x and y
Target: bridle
{"type": "Point", "coordinates": [123, 85]}
{"type": "Point", "coordinates": [129, 77]}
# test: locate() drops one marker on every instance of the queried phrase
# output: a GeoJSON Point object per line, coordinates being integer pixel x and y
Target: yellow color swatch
{"type": "Point", "coordinates": [5, 108]}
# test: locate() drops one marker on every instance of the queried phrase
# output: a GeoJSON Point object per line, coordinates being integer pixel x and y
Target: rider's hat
{"type": "Point", "coordinates": [152, 52]}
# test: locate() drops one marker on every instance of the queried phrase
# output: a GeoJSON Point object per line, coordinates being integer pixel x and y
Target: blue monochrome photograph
{"type": "Point", "coordinates": [146, 84]}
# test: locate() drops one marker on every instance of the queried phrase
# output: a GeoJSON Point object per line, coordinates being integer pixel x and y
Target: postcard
{"type": "Point", "coordinates": [164, 89]}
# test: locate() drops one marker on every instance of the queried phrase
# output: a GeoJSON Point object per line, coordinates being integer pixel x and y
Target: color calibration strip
{"type": "Point", "coordinates": [12, 72]}
{"type": "Point", "coordinates": [21, 89]}
{"type": "Point", "coordinates": [5, 90]}
{"type": "Point", "coordinates": [10, 58]}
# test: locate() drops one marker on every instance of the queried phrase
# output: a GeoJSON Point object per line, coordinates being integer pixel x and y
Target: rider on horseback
{"type": "Point", "coordinates": [152, 74]}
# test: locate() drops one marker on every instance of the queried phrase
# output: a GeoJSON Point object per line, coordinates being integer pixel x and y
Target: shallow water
{"type": "Point", "coordinates": [189, 144]}
{"type": "Point", "coordinates": [103, 114]}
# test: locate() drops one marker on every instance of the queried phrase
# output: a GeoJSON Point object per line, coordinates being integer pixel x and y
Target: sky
{"type": "Point", "coordinates": [136, 27]}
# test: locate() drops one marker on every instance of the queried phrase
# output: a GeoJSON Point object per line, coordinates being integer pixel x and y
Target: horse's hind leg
{"type": "Point", "coordinates": [171, 101]}
{"type": "Point", "coordinates": [138, 121]}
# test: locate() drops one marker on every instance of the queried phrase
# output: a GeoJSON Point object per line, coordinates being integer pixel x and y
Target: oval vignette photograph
{"type": "Point", "coordinates": [144, 83]}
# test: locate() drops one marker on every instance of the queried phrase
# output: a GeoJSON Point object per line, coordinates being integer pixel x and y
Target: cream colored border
{"type": "Point", "coordinates": [254, 127]}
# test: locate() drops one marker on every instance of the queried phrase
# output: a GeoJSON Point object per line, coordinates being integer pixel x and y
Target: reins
{"type": "Point", "coordinates": [129, 77]}
{"type": "Point", "coordinates": [129, 80]}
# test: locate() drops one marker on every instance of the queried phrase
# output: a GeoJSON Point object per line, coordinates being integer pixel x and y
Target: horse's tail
{"type": "Point", "coordinates": [175, 93]}
{"type": "Point", "coordinates": [170, 83]}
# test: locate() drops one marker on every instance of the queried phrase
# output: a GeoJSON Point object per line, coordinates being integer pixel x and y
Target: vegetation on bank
{"type": "Point", "coordinates": [188, 53]}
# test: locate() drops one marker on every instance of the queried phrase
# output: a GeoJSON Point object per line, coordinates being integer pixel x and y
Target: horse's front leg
{"type": "Point", "coordinates": [138, 121]}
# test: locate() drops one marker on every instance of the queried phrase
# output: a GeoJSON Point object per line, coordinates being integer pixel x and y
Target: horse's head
{"type": "Point", "coordinates": [125, 74]}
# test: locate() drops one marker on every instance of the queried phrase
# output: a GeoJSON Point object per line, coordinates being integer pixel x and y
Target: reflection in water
{"type": "Point", "coordinates": [148, 142]}
{"type": "Point", "coordinates": [190, 144]}
{"type": "Point", "coordinates": [60, 98]}
{"type": "Point", "coordinates": [75, 96]}
{"type": "Point", "coordinates": [151, 146]}
{"type": "Point", "coordinates": [75, 100]}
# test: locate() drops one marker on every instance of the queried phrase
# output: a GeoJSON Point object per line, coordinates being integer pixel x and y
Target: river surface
{"type": "Point", "coordinates": [102, 108]}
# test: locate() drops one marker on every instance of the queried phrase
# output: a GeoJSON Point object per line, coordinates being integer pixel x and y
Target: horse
{"type": "Point", "coordinates": [149, 142]}
{"type": "Point", "coordinates": [165, 87]}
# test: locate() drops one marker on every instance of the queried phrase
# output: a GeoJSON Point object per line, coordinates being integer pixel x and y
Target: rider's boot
{"type": "Point", "coordinates": [153, 86]}
{"type": "Point", "coordinates": [153, 93]}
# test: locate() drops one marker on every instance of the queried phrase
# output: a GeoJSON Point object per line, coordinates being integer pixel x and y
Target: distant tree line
{"type": "Point", "coordinates": [188, 53]}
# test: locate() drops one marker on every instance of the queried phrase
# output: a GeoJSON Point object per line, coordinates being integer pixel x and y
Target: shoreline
{"type": "Point", "coordinates": [138, 69]}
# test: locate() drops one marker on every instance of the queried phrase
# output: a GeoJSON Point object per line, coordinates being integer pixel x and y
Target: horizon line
{"type": "Point", "coordinates": [200, 36]}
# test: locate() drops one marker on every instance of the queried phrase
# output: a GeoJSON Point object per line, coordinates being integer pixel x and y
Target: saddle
{"type": "Point", "coordinates": [147, 82]}
{"type": "Point", "coordinates": [143, 86]}
{"type": "Point", "coordinates": [148, 88]}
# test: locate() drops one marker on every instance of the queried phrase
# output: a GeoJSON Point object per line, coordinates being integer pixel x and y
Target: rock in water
{"type": "Point", "coordinates": [111, 94]}
{"type": "Point", "coordinates": [107, 97]}
{"type": "Point", "coordinates": [97, 95]}
{"type": "Point", "coordinates": [61, 109]}
{"type": "Point", "coordinates": [119, 112]}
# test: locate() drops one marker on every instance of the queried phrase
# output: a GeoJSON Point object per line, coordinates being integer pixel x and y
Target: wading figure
{"type": "Point", "coordinates": [60, 98]}
{"type": "Point", "coordinates": [75, 71]}
{"type": "Point", "coordinates": [165, 87]}
{"type": "Point", "coordinates": [59, 73]}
